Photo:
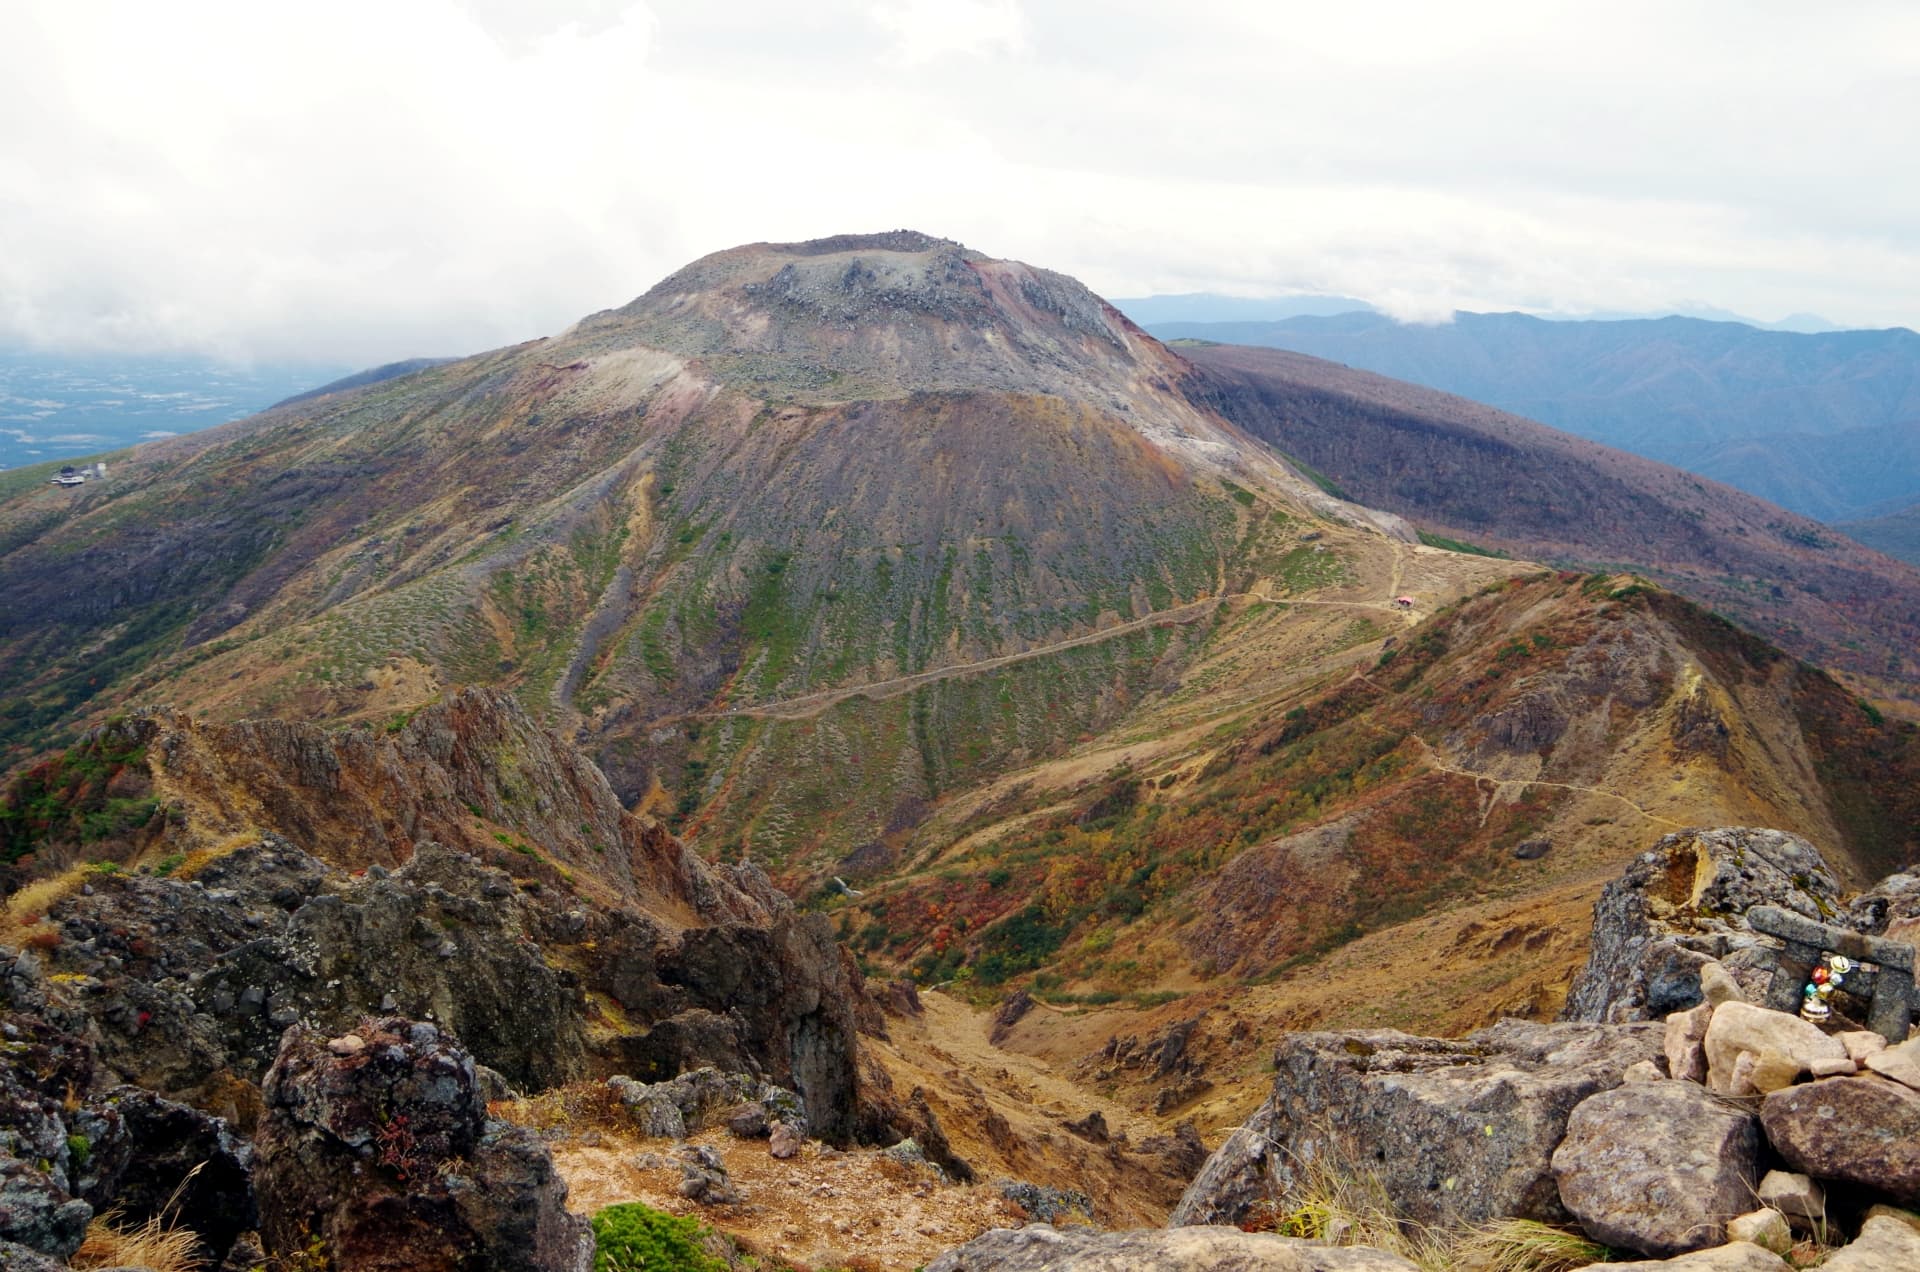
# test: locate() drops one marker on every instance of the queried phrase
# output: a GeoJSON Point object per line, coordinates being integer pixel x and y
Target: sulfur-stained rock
{"type": "Point", "coordinates": [1783, 1047]}
{"type": "Point", "coordinates": [1864, 1130]}
{"type": "Point", "coordinates": [1884, 1245]}
{"type": "Point", "coordinates": [1657, 1168]}
{"type": "Point", "coordinates": [1042, 1248]}
{"type": "Point", "coordinates": [1456, 1129]}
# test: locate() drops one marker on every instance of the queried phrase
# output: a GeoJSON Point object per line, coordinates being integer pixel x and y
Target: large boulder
{"type": "Point", "coordinates": [1737, 1256]}
{"type": "Point", "coordinates": [1658, 1167]}
{"type": "Point", "coordinates": [377, 1147]}
{"type": "Point", "coordinates": [1782, 1048]}
{"type": "Point", "coordinates": [1041, 1248]}
{"type": "Point", "coordinates": [1682, 904]}
{"type": "Point", "coordinates": [1864, 1130]}
{"type": "Point", "coordinates": [1454, 1129]}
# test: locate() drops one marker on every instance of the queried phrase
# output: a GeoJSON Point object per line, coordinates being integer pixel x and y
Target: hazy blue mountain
{"type": "Point", "coordinates": [1827, 424]}
{"type": "Point", "coordinates": [1897, 533]}
{"type": "Point", "coordinates": [59, 406]}
{"type": "Point", "coordinates": [1147, 311]}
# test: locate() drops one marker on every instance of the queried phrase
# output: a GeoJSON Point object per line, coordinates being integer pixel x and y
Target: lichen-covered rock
{"type": "Point", "coordinates": [1455, 1129]}
{"type": "Point", "coordinates": [1682, 904]}
{"type": "Point", "coordinates": [1041, 1248]}
{"type": "Point", "coordinates": [1046, 1205]}
{"type": "Point", "coordinates": [1864, 1130]}
{"type": "Point", "coordinates": [1657, 1167]}
{"type": "Point", "coordinates": [37, 1213]}
{"type": "Point", "coordinates": [385, 1157]}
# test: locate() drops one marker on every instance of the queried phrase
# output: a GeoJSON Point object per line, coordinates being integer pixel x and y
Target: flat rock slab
{"type": "Point", "coordinates": [1864, 1130]}
{"type": "Point", "coordinates": [1658, 1167]}
{"type": "Point", "coordinates": [1040, 1248]}
{"type": "Point", "coordinates": [1884, 1245]}
{"type": "Point", "coordinates": [1738, 1256]}
{"type": "Point", "coordinates": [1901, 1063]}
{"type": "Point", "coordinates": [1454, 1129]}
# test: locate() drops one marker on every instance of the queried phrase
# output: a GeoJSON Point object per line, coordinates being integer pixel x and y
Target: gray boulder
{"type": "Point", "coordinates": [1737, 1256]}
{"type": "Point", "coordinates": [1041, 1248]}
{"type": "Point", "coordinates": [1658, 1167]}
{"type": "Point", "coordinates": [1682, 904]}
{"type": "Point", "coordinates": [1863, 1130]}
{"type": "Point", "coordinates": [1454, 1129]}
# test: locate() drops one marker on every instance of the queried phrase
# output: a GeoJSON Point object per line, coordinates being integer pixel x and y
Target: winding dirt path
{"type": "Point", "coordinates": [1433, 758]}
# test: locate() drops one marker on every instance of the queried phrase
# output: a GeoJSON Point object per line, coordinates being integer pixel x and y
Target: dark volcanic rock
{"type": "Point", "coordinates": [1454, 1129]}
{"type": "Point", "coordinates": [1681, 904]}
{"type": "Point", "coordinates": [379, 1148]}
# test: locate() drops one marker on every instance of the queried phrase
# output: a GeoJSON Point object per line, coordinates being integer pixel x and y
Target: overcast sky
{"type": "Point", "coordinates": [356, 182]}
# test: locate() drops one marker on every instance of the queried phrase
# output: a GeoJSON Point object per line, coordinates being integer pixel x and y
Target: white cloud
{"type": "Point", "coordinates": [369, 181]}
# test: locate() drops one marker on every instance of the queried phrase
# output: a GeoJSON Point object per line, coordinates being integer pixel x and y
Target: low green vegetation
{"type": "Point", "coordinates": [630, 1237]}
{"type": "Point", "coordinates": [1461, 545]}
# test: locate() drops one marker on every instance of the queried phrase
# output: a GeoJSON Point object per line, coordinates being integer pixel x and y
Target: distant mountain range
{"type": "Point", "coordinates": [1825, 424]}
{"type": "Point", "coordinates": [60, 406]}
{"type": "Point", "coordinates": [1149, 311]}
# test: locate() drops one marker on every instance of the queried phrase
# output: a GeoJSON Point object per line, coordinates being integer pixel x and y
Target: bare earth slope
{"type": "Point", "coordinates": [1471, 471]}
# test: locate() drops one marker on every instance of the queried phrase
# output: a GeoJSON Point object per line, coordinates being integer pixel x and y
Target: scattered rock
{"type": "Point", "coordinates": [1864, 1130]}
{"type": "Point", "coordinates": [1685, 1043]}
{"type": "Point", "coordinates": [1884, 1244]}
{"type": "Point", "coordinates": [749, 1122]}
{"type": "Point", "coordinates": [1766, 1228]}
{"type": "Point", "coordinates": [1041, 1248]}
{"type": "Point", "coordinates": [1641, 1071]}
{"type": "Point", "coordinates": [704, 1177]}
{"type": "Point", "coordinates": [1092, 1128]}
{"type": "Point", "coordinates": [347, 1045]}
{"type": "Point", "coordinates": [1657, 1168]}
{"type": "Point", "coordinates": [1783, 1047]}
{"type": "Point", "coordinates": [1008, 1014]}
{"type": "Point", "coordinates": [1794, 1196]}
{"type": "Point", "coordinates": [1860, 1043]}
{"type": "Point", "coordinates": [1532, 849]}
{"type": "Point", "coordinates": [1717, 985]}
{"type": "Point", "coordinates": [1046, 1205]}
{"type": "Point", "coordinates": [1833, 1067]}
{"type": "Point", "coordinates": [1456, 1128]}
{"type": "Point", "coordinates": [784, 1142]}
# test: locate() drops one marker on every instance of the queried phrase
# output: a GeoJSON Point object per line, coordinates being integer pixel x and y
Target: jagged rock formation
{"type": "Point", "coordinates": [1680, 905]}
{"type": "Point", "coordinates": [377, 1150]}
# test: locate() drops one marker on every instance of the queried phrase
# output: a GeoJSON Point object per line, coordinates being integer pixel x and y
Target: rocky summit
{"type": "Point", "coordinates": [863, 758]}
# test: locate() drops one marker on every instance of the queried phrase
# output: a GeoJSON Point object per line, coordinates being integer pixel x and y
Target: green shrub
{"type": "Point", "coordinates": [631, 1237]}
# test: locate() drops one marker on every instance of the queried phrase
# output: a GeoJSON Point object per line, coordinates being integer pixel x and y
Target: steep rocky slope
{"type": "Point", "coordinates": [463, 865]}
{"type": "Point", "coordinates": [1896, 533]}
{"type": "Point", "coordinates": [1473, 472]}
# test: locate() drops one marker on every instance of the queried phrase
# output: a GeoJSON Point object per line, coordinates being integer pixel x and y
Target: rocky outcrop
{"type": "Point", "coordinates": [1454, 1130]}
{"type": "Point", "coordinates": [1680, 905]}
{"type": "Point", "coordinates": [1658, 1167]}
{"type": "Point", "coordinates": [1041, 1248]}
{"type": "Point", "coordinates": [376, 1146]}
{"type": "Point", "coordinates": [1751, 1050]}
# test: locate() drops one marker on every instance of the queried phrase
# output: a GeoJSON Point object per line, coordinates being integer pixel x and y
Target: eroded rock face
{"type": "Point", "coordinates": [1658, 1167]}
{"type": "Point", "coordinates": [383, 1154]}
{"type": "Point", "coordinates": [1680, 905]}
{"type": "Point", "coordinates": [1041, 1248]}
{"type": "Point", "coordinates": [1455, 1129]}
{"type": "Point", "coordinates": [1864, 1130]}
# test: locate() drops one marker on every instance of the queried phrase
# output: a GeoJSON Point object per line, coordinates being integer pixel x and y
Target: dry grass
{"type": "Point", "coordinates": [576, 1107]}
{"type": "Point", "coordinates": [1347, 1207]}
{"type": "Point", "coordinates": [29, 904]}
{"type": "Point", "coordinates": [153, 1244]}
